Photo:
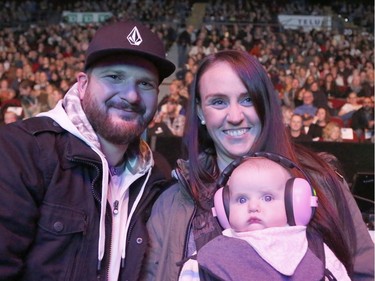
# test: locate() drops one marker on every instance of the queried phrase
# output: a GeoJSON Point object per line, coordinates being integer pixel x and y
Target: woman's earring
{"type": "Point", "coordinates": [203, 122]}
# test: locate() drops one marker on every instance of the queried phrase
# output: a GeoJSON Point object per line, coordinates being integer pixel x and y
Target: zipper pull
{"type": "Point", "coordinates": [115, 207]}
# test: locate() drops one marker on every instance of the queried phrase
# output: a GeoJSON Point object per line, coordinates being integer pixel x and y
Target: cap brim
{"type": "Point", "coordinates": [164, 66]}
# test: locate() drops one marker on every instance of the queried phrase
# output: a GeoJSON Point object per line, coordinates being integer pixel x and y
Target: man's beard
{"type": "Point", "coordinates": [115, 132]}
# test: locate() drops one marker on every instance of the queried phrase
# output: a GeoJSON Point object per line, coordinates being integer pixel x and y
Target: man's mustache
{"type": "Point", "coordinates": [126, 106]}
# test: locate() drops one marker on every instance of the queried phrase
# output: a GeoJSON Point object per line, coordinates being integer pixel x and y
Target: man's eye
{"type": "Point", "coordinates": [114, 76]}
{"type": "Point", "coordinates": [147, 85]}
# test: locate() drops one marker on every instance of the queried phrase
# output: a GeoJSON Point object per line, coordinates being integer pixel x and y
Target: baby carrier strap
{"type": "Point", "coordinates": [316, 245]}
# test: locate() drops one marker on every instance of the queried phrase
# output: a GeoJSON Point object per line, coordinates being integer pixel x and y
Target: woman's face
{"type": "Point", "coordinates": [335, 134]}
{"type": "Point", "coordinates": [321, 114]}
{"type": "Point", "coordinates": [228, 112]}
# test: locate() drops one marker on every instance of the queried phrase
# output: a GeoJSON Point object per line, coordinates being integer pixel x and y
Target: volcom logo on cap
{"type": "Point", "coordinates": [134, 37]}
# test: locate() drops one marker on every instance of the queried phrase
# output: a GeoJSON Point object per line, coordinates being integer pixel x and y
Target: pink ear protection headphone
{"type": "Point", "coordinates": [300, 197]}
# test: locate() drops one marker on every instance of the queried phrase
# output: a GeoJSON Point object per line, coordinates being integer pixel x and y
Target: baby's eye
{"type": "Point", "coordinates": [267, 198]}
{"type": "Point", "coordinates": [242, 200]}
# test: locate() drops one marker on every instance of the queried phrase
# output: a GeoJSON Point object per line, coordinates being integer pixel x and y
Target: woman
{"type": "Point", "coordinates": [330, 87]}
{"type": "Point", "coordinates": [233, 111]}
{"type": "Point", "coordinates": [321, 119]}
{"type": "Point", "coordinates": [332, 132]}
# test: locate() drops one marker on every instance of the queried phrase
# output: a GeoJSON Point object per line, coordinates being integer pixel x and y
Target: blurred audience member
{"type": "Point", "coordinates": [367, 82]}
{"type": "Point", "coordinates": [330, 87]}
{"type": "Point", "coordinates": [287, 114]}
{"type": "Point", "coordinates": [296, 129]}
{"type": "Point", "coordinates": [349, 107]}
{"type": "Point", "coordinates": [174, 93]}
{"type": "Point", "coordinates": [320, 98]}
{"type": "Point", "coordinates": [307, 110]}
{"type": "Point", "coordinates": [355, 84]}
{"type": "Point", "coordinates": [363, 120]}
{"type": "Point", "coordinates": [32, 103]}
{"type": "Point", "coordinates": [184, 42]}
{"type": "Point", "coordinates": [320, 121]}
{"type": "Point", "coordinates": [10, 117]}
{"type": "Point", "coordinates": [332, 132]}
{"type": "Point", "coordinates": [172, 117]}
{"type": "Point", "coordinates": [157, 128]}
{"type": "Point", "coordinates": [6, 92]}
{"type": "Point", "coordinates": [197, 48]}
{"type": "Point", "coordinates": [54, 95]}
{"type": "Point", "coordinates": [290, 91]}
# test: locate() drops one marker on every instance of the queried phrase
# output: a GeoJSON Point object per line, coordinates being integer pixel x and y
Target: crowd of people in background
{"type": "Point", "coordinates": [321, 76]}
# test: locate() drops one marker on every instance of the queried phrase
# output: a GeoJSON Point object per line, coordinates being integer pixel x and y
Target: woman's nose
{"type": "Point", "coordinates": [235, 114]}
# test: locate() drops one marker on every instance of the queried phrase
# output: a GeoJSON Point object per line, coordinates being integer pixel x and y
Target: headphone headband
{"type": "Point", "coordinates": [282, 160]}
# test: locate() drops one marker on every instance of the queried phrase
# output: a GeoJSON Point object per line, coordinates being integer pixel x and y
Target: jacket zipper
{"type": "Point", "coordinates": [110, 242]}
{"type": "Point", "coordinates": [143, 203]}
{"type": "Point", "coordinates": [115, 207]}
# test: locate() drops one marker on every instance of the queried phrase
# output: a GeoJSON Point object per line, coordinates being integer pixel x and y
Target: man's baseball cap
{"type": "Point", "coordinates": [129, 37]}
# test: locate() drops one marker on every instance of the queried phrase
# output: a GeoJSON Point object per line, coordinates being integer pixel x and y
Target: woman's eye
{"type": "Point", "coordinates": [217, 102]}
{"type": "Point", "coordinates": [247, 101]}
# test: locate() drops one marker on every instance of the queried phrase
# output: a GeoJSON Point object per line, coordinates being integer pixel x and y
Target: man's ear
{"type": "Point", "coordinates": [82, 81]}
{"type": "Point", "coordinates": [200, 114]}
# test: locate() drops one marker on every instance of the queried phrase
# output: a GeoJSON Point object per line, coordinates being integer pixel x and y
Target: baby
{"type": "Point", "coordinates": [264, 211]}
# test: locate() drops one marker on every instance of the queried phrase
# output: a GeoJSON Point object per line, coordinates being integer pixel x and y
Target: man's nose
{"type": "Point", "coordinates": [129, 92]}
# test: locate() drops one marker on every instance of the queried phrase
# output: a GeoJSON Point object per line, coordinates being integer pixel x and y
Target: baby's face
{"type": "Point", "coordinates": [256, 189]}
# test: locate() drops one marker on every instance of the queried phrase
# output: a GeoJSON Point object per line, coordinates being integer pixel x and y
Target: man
{"type": "Point", "coordinates": [363, 120]}
{"type": "Point", "coordinates": [32, 104]}
{"type": "Point", "coordinates": [77, 182]}
{"type": "Point", "coordinates": [296, 130]}
{"type": "Point", "coordinates": [307, 110]}
{"type": "Point", "coordinates": [184, 41]}
{"type": "Point", "coordinates": [349, 107]}
{"type": "Point", "coordinates": [172, 117]}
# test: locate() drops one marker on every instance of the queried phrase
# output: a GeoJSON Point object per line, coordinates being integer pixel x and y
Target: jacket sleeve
{"type": "Point", "coordinates": [21, 184]}
{"type": "Point", "coordinates": [167, 230]}
{"type": "Point", "coordinates": [364, 246]}
{"type": "Point", "coordinates": [364, 254]}
{"type": "Point", "coordinates": [156, 227]}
